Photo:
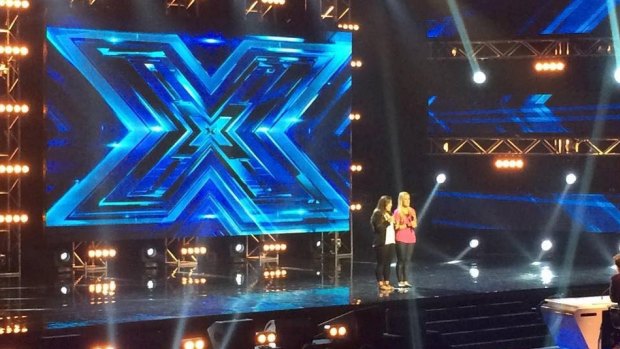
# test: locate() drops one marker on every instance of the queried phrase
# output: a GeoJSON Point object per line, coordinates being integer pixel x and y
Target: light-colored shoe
{"type": "Point", "coordinates": [401, 284]}
{"type": "Point", "coordinates": [407, 284]}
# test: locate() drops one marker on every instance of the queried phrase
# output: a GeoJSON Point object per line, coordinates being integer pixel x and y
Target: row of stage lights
{"type": "Point", "coordinates": [14, 108]}
{"type": "Point", "coordinates": [275, 274]}
{"type": "Point", "coordinates": [274, 2]}
{"type": "Point", "coordinates": [104, 288]}
{"type": "Point", "coordinates": [18, 4]}
{"type": "Point", "coordinates": [194, 251]}
{"type": "Point", "coordinates": [13, 218]}
{"type": "Point", "coordinates": [14, 50]}
{"type": "Point", "coordinates": [102, 253]}
{"type": "Point", "coordinates": [274, 247]}
{"type": "Point", "coordinates": [193, 343]}
{"type": "Point", "coordinates": [17, 169]}
{"type": "Point", "coordinates": [266, 339]}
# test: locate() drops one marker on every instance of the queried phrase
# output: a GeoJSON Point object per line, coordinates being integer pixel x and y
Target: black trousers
{"type": "Point", "coordinates": [385, 254]}
{"type": "Point", "coordinates": [403, 256]}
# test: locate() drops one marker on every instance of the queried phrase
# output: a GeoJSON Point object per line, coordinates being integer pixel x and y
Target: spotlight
{"type": "Point", "coordinates": [336, 331]}
{"type": "Point", "coordinates": [355, 116]}
{"type": "Point", "coordinates": [356, 168]}
{"type": "Point", "coordinates": [356, 207]}
{"type": "Point", "coordinates": [479, 77]}
{"type": "Point", "coordinates": [193, 343]}
{"type": "Point", "coordinates": [474, 272]}
{"type": "Point", "coordinates": [617, 75]}
{"type": "Point", "coordinates": [239, 248]}
{"type": "Point", "coordinates": [546, 245]}
{"type": "Point", "coordinates": [356, 63]}
{"type": "Point", "coordinates": [571, 178]}
{"type": "Point", "coordinates": [64, 256]}
{"type": "Point", "coordinates": [473, 243]}
{"type": "Point", "coordinates": [441, 178]}
{"type": "Point", "coordinates": [266, 339]}
{"type": "Point", "coordinates": [151, 252]}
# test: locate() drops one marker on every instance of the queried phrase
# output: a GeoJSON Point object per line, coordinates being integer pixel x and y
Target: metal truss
{"type": "Point", "coordinates": [335, 10]}
{"type": "Point", "coordinates": [89, 2]}
{"type": "Point", "coordinates": [535, 48]}
{"type": "Point", "coordinates": [82, 262]}
{"type": "Point", "coordinates": [181, 4]}
{"type": "Point", "coordinates": [523, 146]}
{"type": "Point", "coordinates": [174, 256]}
{"type": "Point", "coordinates": [258, 8]}
{"type": "Point", "coordinates": [10, 145]}
{"type": "Point", "coordinates": [254, 249]}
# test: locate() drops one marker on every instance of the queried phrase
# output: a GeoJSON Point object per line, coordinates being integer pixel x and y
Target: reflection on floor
{"type": "Point", "coordinates": [101, 298]}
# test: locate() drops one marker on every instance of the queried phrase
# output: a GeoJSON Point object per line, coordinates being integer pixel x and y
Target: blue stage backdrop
{"type": "Point", "coordinates": [198, 135]}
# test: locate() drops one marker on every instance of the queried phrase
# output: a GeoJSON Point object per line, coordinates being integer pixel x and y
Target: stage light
{"type": "Point", "coordinates": [511, 164]}
{"type": "Point", "coordinates": [617, 75]}
{"type": "Point", "coordinates": [355, 116]}
{"type": "Point", "coordinates": [275, 274]}
{"type": "Point", "coordinates": [546, 275]}
{"type": "Point", "coordinates": [193, 343]}
{"type": "Point", "coordinates": [356, 168]}
{"type": "Point", "coordinates": [193, 281]}
{"type": "Point", "coordinates": [474, 243]}
{"type": "Point", "coordinates": [14, 218]}
{"type": "Point", "coordinates": [266, 339]}
{"type": "Point", "coordinates": [349, 26]}
{"type": "Point", "coordinates": [14, 169]}
{"type": "Point", "coordinates": [17, 108]}
{"type": "Point", "coordinates": [103, 346]}
{"type": "Point", "coordinates": [571, 178]}
{"type": "Point", "coordinates": [275, 247]}
{"type": "Point", "coordinates": [356, 63]}
{"type": "Point", "coordinates": [356, 207]}
{"type": "Point", "coordinates": [103, 288]}
{"type": "Point", "coordinates": [239, 279]}
{"type": "Point", "coordinates": [549, 66]}
{"type": "Point", "coordinates": [151, 252]}
{"type": "Point", "coordinates": [441, 178]}
{"type": "Point", "coordinates": [104, 253]}
{"type": "Point", "coordinates": [273, 2]}
{"type": "Point", "coordinates": [239, 248]}
{"type": "Point", "coordinates": [64, 256]}
{"type": "Point", "coordinates": [17, 4]}
{"type": "Point", "coordinates": [193, 250]}
{"type": "Point", "coordinates": [336, 331]}
{"type": "Point", "coordinates": [479, 77]}
{"type": "Point", "coordinates": [474, 272]}
{"type": "Point", "coordinates": [546, 245]}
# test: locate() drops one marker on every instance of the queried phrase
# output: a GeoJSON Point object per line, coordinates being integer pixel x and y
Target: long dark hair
{"type": "Point", "coordinates": [382, 203]}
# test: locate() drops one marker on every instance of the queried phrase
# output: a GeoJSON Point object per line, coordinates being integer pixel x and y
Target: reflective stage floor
{"type": "Point", "coordinates": [76, 301]}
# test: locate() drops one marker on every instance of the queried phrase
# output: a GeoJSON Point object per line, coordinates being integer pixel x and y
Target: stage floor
{"type": "Point", "coordinates": [100, 299]}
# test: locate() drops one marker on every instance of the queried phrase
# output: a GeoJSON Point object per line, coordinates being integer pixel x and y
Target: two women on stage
{"type": "Point", "coordinates": [393, 231]}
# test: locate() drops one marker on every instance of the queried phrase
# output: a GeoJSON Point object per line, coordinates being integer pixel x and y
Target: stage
{"type": "Point", "coordinates": [116, 302]}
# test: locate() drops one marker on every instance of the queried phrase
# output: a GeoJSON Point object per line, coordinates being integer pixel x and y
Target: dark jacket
{"type": "Point", "coordinates": [614, 288]}
{"type": "Point", "coordinates": [379, 224]}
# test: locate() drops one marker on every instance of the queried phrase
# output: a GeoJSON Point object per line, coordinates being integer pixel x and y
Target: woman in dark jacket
{"type": "Point", "coordinates": [383, 242]}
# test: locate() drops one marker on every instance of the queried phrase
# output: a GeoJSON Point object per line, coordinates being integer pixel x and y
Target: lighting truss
{"type": "Point", "coordinates": [81, 260]}
{"type": "Point", "coordinates": [174, 256]}
{"type": "Point", "coordinates": [10, 144]}
{"type": "Point", "coordinates": [258, 8]}
{"type": "Point", "coordinates": [525, 146]}
{"type": "Point", "coordinates": [254, 249]}
{"type": "Point", "coordinates": [534, 48]}
{"type": "Point", "coordinates": [89, 2]}
{"type": "Point", "coordinates": [335, 10]}
{"type": "Point", "coordinates": [181, 4]}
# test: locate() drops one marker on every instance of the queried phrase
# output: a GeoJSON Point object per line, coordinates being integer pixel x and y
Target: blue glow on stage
{"type": "Point", "coordinates": [592, 213]}
{"type": "Point", "coordinates": [159, 135]}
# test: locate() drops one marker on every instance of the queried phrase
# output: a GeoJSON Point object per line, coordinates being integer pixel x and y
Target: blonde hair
{"type": "Point", "coordinates": [401, 197]}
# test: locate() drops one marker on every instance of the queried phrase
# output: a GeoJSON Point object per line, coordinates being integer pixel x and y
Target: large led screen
{"type": "Point", "coordinates": [197, 133]}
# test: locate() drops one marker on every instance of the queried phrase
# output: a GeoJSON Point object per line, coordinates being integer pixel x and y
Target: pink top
{"type": "Point", "coordinates": [404, 235]}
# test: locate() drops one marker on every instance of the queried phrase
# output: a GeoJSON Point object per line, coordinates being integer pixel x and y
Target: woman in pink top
{"type": "Point", "coordinates": [405, 222]}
